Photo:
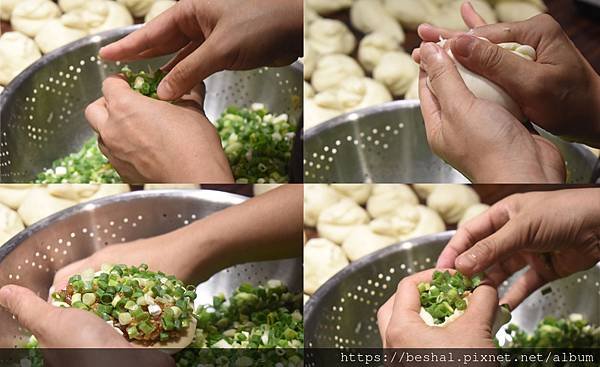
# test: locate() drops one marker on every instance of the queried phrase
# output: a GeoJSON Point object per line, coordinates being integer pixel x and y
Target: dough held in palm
{"type": "Point", "coordinates": [29, 16]}
{"type": "Point", "coordinates": [387, 198]}
{"type": "Point", "coordinates": [373, 46]}
{"type": "Point", "coordinates": [330, 36]}
{"type": "Point", "coordinates": [362, 241]}
{"type": "Point", "coordinates": [337, 221]}
{"type": "Point", "coordinates": [39, 204]}
{"type": "Point", "coordinates": [322, 260]}
{"type": "Point", "coordinates": [407, 222]}
{"type": "Point", "coordinates": [396, 70]}
{"type": "Point", "coordinates": [17, 52]}
{"type": "Point", "coordinates": [358, 192]}
{"type": "Point", "coordinates": [331, 70]}
{"type": "Point", "coordinates": [472, 212]}
{"type": "Point", "coordinates": [451, 201]}
{"type": "Point", "coordinates": [370, 16]}
{"type": "Point", "coordinates": [317, 197]}
{"type": "Point", "coordinates": [158, 8]}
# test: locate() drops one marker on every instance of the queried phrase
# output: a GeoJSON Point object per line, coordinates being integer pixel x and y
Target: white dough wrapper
{"type": "Point", "coordinates": [318, 197]}
{"type": "Point", "coordinates": [17, 52]}
{"type": "Point", "coordinates": [322, 260]}
{"type": "Point", "coordinates": [29, 16]}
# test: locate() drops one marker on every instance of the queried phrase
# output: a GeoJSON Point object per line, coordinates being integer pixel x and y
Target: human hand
{"type": "Point", "coordinates": [148, 140]}
{"type": "Point", "coordinates": [400, 325]}
{"type": "Point", "coordinates": [556, 233]}
{"type": "Point", "coordinates": [478, 137]}
{"type": "Point", "coordinates": [559, 92]}
{"type": "Point", "coordinates": [211, 36]}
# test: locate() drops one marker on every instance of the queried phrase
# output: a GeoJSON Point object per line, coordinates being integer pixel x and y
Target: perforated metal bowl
{"type": "Point", "coordinates": [42, 110]}
{"type": "Point", "coordinates": [32, 257]}
{"type": "Point", "coordinates": [343, 312]}
{"type": "Point", "coordinates": [387, 144]}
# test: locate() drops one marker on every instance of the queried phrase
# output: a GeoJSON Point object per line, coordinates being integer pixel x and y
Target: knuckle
{"type": "Point", "coordinates": [491, 56]}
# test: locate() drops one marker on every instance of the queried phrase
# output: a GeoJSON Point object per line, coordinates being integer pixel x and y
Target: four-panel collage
{"type": "Point", "coordinates": [290, 183]}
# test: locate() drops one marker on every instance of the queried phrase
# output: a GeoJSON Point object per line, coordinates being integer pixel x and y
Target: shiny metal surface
{"type": "Point", "coordinates": [343, 312]}
{"type": "Point", "coordinates": [42, 110]}
{"type": "Point", "coordinates": [31, 258]}
{"type": "Point", "coordinates": [387, 144]}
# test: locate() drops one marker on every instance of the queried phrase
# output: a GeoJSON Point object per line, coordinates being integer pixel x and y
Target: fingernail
{"type": "Point", "coordinates": [463, 45]}
{"type": "Point", "coordinates": [165, 92]}
{"type": "Point", "coordinates": [430, 54]}
{"type": "Point", "coordinates": [466, 261]}
{"type": "Point", "coordinates": [5, 294]}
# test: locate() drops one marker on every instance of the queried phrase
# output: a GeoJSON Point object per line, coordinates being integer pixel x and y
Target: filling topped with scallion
{"type": "Point", "coordinates": [144, 306]}
{"type": "Point", "coordinates": [144, 82]}
{"type": "Point", "coordinates": [446, 294]}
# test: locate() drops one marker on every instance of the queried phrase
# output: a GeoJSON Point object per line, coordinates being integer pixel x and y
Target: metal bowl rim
{"type": "Point", "coordinates": [208, 195]}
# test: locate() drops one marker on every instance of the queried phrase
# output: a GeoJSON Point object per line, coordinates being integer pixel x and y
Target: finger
{"type": "Point", "coordinates": [528, 32]}
{"type": "Point", "coordinates": [182, 54]}
{"type": "Point", "coordinates": [116, 89]}
{"type": "Point", "coordinates": [384, 314]}
{"type": "Point", "coordinates": [96, 114]}
{"type": "Point", "coordinates": [430, 33]}
{"type": "Point", "coordinates": [472, 231]}
{"type": "Point", "coordinates": [470, 16]}
{"type": "Point", "coordinates": [444, 80]}
{"type": "Point", "coordinates": [505, 269]}
{"type": "Point", "coordinates": [522, 288]}
{"type": "Point", "coordinates": [482, 306]}
{"type": "Point", "coordinates": [407, 303]}
{"type": "Point", "coordinates": [430, 108]}
{"type": "Point", "coordinates": [200, 64]}
{"type": "Point", "coordinates": [26, 306]}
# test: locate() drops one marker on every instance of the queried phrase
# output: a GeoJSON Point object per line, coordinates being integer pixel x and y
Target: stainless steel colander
{"type": "Point", "coordinates": [343, 311]}
{"type": "Point", "coordinates": [42, 110]}
{"type": "Point", "coordinates": [32, 257]}
{"type": "Point", "coordinates": [387, 143]}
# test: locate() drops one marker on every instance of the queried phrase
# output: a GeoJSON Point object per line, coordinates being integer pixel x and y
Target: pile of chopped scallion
{"type": "Point", "coordinates": [446, 293]}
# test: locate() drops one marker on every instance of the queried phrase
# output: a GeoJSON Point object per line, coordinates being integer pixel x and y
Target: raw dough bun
{"type": "Point", "coordinates": [362, 241]}
{"type": "Point", "coordinates": [472, 212]}
{"type": "Point", "coordinates": [30, 16]}
{"type": "Point", "coordinates": [331, 70]}
{"type": "Point", "coordinates": [68, 5]}
{"type": "Point", "coordinates": [310, 15]}
{"type": "Point", "coordinates": [387, 198]}
{"type": "Point", "coordinates": [516, 11]}
{"type": "Point", "coordinates": [116, 15]}
{"type": "Point", "coordinates": [137, 8]}
{"type": "Point", "coordinates": [369, 16]}
{"type": "Point", "coordinates": [317, 197]}
{"type": "Point", "coordinates": [158, 8]}
{"type": "Point", "coordinates": [10, 222]}
{"type": "Point", "coordinates": [337, 221]}
{"type": "Point", "coordinates": [329, 36]}
{"type": "Point", "coordinates": [73, 192]}
{"type": "Point", "coordinates": [408, 221]}
{"type": "Point", "coordinates": [322, 260]}
{"type": "Point", "coordinates": [310, 59]}
{"type": "Point", "coordinates": [411, 13]}
{"type": "Point", "coordinates": [7, 7]}
{"type": "Point", "coordinates": [358, 192]}
{"type": "Point", "coordinates": [12, 195]}
{"type": "Point", "coordinates": [449, 15]}
{"type": "Point", "coordinates": [309, 92]}
{"type": "Point", "coordinates": [353, 93]}
{"type": "Point", "coordinates": [451, 201]}
{"type": "Point", "coordinates": [38, 204]}
{"type": "Point", "coordinates": [108, 190]}
{"type": "Point", "coordinates": [373, 46]}
{"type": "Point", "coordinates": [55, 34]}
{"type": "Point", "coordinates": [424, 190]}
{"type": "Point", "coordinates": [315, 114]}
{"type": "Point", "coordinates": [396, 70]}
{"type": "Point", "coordinates": [328, 6]}
{"type": "Point", "coordinates": [413, 90]}
{"type": "Point", "coordinates": [17, 52]}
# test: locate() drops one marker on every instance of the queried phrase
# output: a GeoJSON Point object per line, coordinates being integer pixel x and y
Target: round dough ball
{"type": "Point", "coordinates": [331, 70]}
{"type": "Point", "coordinates": [516, 11]}
{"type": "Point", "coordinates": [39, 204]}
{"type": "Point", "coordinates": [472, 212]}
{"type": "Point", "coordinates": [358, 192]}
{"type": "Point", "coordinates": [424, 190]}
{"type": "Point", "coordinates": [451, 201]}
{"type": "Point", "coordinates": [322, 260]}
{"type": "Point", "coordinates": [309, 92]}
{"type": "Point", "coordinates": [370, 16]}
{"type": "Point", "coordinates": [10, 222]}
{"type": "Point", "coordinates": [315, 114]}
{"type": "Point", "coordinates": [328, 6]}
{"type": "Point", "coordinates": [387, 198]}
{"type": "Point", "coordinates": [373, 46]}
{"type": "Point", "coordinates": [411, 13]}
{"type": "Point", "coordinates": [362, 241]}
{"type": "Point", "coordinates": [310, 59]}
{"type": "Point", "coordinates": [354, 93]}
{"type": "Point", "coordinates": [17, 52]}
{"type": "Point", "coordinates": [68, 5]}
{"type": "Point", "coordinates": [317, 197]}
{"type": "Point", "coordinates": [29, 16]}
{"type": "Point", "coordinates": [158, 8]}
{"type": "Point", "coordinates": [116, 15]}
{"type": "Point", "coordinates": [396, 70]}
{"type": "Point", "coordinates": [407, 222]}
{"type": "Point", "coordinates": [413, 89]}
{"type": "Point", "coordinates": [73, 192]}
{"type": "Point", "coordinates": [336, 222]}
{"type": "Point", "coordinates": [329, 36]}
{"type": "Point", "coordinates": [7, 7]}
{"type": "Point", "coordinates": [12, 195]}
{"type": "Point", "coordinates": [137, 8]}
{"type": "Point", "coordinates": [55, 34]}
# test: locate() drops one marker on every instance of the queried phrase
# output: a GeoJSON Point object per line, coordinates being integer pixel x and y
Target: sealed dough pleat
{"type": "Point", "coordinates": [337, 221]}
{"type": "Point", "coordinates": [330, 36]}
{"type": "Point", "coordinates": [30, 16]}
{"type": "Point", "coordinates": [358, 192]}
{"type": "Point", "coordinates": [373, 46]}
{"type": "Point", "coordinates": [370, 16]}
{"type": "Point", "coordinates": [396, 70]}
{"type": "Point", "coordinates": [387, 198]}
{"type": "Point", "coordinates": [451, 201]}
{"type": "Point", "coordinates": [331, 70]}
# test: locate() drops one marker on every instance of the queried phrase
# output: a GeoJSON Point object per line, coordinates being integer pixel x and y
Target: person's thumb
{"type": "Point", "coordinates": [493, 62]}
{"type": "Point", "coordinates": [494, 248]}
{"type": "Point", "coordinates": [482, 305]}
{"type": "Point", "coordinates": [29, 309]}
